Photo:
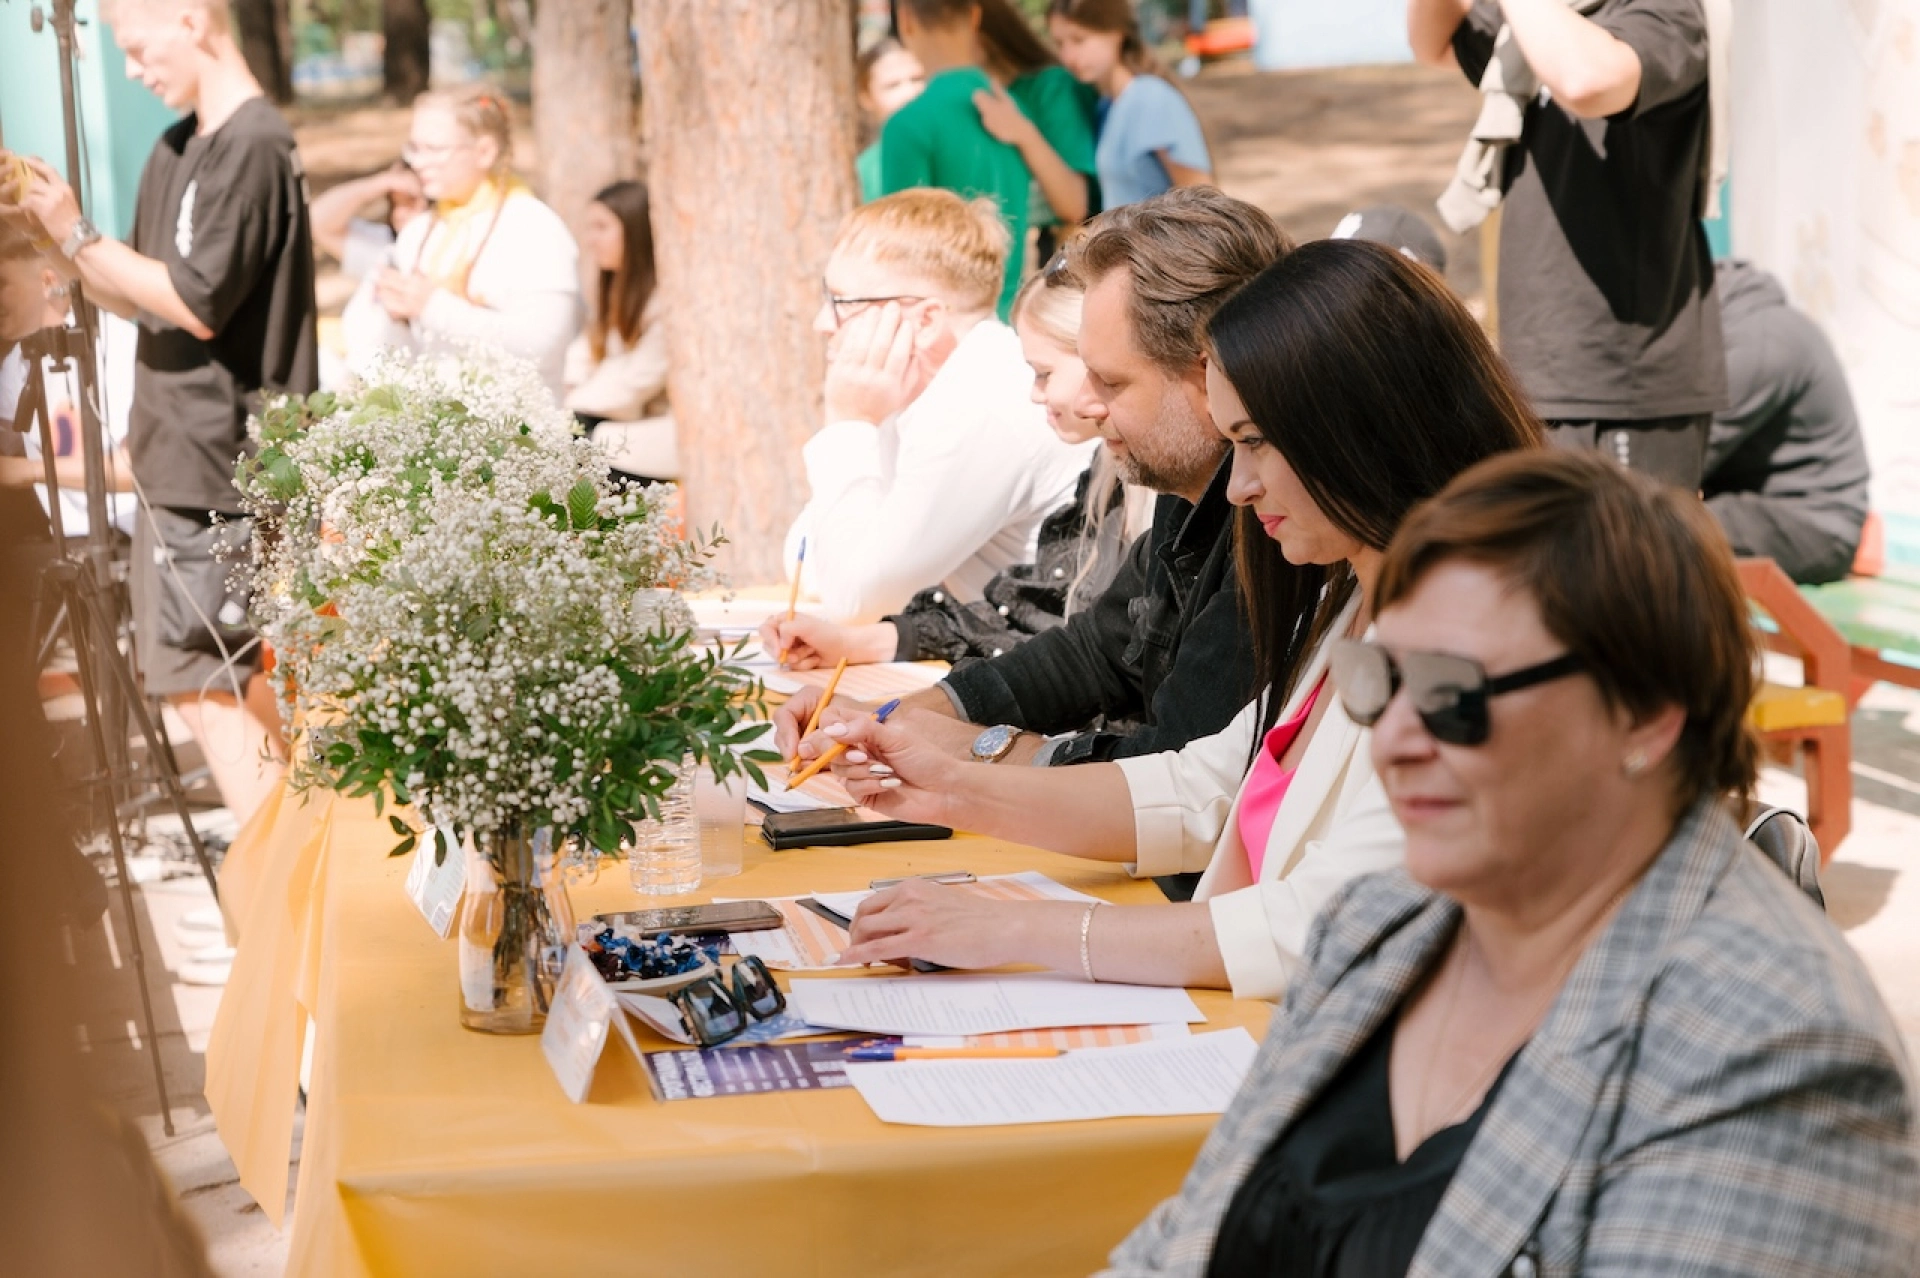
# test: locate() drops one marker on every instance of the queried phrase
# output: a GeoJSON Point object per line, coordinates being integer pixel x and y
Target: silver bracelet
{"type": "Point", "coordinates": [1086, 930]}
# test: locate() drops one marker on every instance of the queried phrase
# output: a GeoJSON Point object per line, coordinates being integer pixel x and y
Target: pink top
{"type": "Point", "coordinates": [1267, 784]}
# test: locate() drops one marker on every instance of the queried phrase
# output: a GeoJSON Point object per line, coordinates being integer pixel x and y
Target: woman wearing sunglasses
{"type": "Point", "coordinates": [1352, 385]}
{"type": "Point", "coordinates": [1589, 1029]}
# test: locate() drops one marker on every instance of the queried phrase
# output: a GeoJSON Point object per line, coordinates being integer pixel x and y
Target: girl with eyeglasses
{"type": "Point", "coordinates": [488, 265]}
{"type": "Point", "coordinates": [1352, 386]}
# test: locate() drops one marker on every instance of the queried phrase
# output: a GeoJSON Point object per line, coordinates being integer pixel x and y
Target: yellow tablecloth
{"type": "Point", "coordinates": [430, 1149]}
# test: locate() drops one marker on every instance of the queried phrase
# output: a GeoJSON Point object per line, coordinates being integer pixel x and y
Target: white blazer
{"type": "Point", "coordinates": [1333, 825]}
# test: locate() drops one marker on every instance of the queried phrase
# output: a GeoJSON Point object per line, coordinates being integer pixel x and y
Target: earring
{"type": "Point", "coordinates": [1635, 763]}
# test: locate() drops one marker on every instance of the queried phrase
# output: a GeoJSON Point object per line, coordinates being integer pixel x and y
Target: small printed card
{"type": "Point", "coordinates": [740, 1071]}
{"type": "Point", "coordinates": [583, 1011]}
{"type": "Point", "coordinates": [435, 888]}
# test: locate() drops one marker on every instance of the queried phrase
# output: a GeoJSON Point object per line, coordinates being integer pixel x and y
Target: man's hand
{"type": "Point", "coordinates": [870, 366]}
{"type": "Point", "coordinates": [51, 201]}
{"type": "Point", "coordinates": [404, 294]}
{"type": "Point", "coordinates": [812, 642]}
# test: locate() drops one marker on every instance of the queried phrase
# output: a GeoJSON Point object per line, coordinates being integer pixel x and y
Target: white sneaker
{"type": "Point", "coordinates": [208, 971]}
{"type": "Point", "coordinates": [200, 927]}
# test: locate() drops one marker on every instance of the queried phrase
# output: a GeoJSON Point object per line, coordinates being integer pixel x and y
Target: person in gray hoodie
{"type": "Point", "coordinates": [1786, 472]}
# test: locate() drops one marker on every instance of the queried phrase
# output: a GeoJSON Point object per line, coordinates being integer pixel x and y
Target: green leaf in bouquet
{"type": "Point", "coordinates": [583, 504]}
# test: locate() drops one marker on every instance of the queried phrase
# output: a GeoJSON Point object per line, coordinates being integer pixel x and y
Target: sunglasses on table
{"type": "Point", "coordinates": [713, 1010]}
{"type": "Point", "coordinates": [1449, 693]}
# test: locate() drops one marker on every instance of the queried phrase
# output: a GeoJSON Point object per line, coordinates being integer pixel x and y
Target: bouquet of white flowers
{"type": "Point", "coordinates": [450, 580]}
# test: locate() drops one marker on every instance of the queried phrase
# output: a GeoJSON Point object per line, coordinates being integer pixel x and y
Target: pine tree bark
{"type": "Point", "coordinates": [407, 59]}
{"type": "Point", "coordinates": [583, 100]}
{"type": "Point", "coordinates": [749, 116]}
{"type": "Point", "coordinates": [259, 24]}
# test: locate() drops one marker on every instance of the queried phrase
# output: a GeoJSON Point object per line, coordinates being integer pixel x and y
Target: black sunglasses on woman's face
{"type": "Point", "coordinates": [1449, 693]}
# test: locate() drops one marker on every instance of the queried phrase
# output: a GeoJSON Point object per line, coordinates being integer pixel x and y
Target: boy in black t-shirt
{"type": "Point", "coordinates": [219, 277]}
{"type": "Point", "coordinates": [1607, 308]}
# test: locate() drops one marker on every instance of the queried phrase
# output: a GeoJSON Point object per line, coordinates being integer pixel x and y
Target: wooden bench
{"type": "Point", "coordinates": [1812, 720]}
{"type": "Point", "coordinates": [1878, 616]}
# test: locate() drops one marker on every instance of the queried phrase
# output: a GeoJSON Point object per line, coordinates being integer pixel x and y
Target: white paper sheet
{"type": "Point", "coordinates": [878, 681]}
{"type": "Point", "coordinates": [778, 798]}
{"type": "Point", "coordinates": [582, 1011]}
{"type": "Point", "coordinates": [957, 1004]}
{"type": "Point", "coordinates": [733, 616]}
{"type": "Point", "coordinates": [1196, 1075]}
{"type": "Point", "coordinates": [435, 889]}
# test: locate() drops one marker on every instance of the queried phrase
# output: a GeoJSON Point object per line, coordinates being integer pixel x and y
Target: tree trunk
{"type": "Point", "coordinates": [749, 111]}
{"type": "Point", "coordinates": [583, 96]}
{"type": "Point", "coordinates": [258, 24]}
{"type": "Point", "coordinates": [407, 59]}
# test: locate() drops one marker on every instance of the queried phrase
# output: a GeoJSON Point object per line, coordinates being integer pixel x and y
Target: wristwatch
{"type": "Point", "coordinates": [992, 745]}
{"type": "Point", "coordinates": [78, 238]}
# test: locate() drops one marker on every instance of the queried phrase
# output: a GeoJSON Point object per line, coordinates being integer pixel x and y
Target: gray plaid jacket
{"type": "Point", "coordinates": [1717, 1090]}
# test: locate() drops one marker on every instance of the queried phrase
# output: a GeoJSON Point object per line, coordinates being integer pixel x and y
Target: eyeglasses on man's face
{"type": "Point", "coordinates": [845, 308]}
{"type": "Point", "coordinates": [1449, 693]}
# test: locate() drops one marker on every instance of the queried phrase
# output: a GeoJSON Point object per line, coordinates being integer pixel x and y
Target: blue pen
{"type": "Point", "coordinates": [837, 749]}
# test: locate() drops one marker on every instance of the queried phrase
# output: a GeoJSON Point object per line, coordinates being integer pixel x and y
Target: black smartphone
{"type": "Point", "coordinates": [840, 827]}
{"type": "Point", "coordinates": [721, 916]}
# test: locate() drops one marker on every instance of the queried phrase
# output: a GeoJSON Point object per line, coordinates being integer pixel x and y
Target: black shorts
{"type": "Point", "coordinates": [189, 619]}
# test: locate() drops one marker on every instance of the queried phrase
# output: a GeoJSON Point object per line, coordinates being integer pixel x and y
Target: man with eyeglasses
{"type": "Point", "coordinates": [935, 465]}
{"type": "Point", "coordinates": [1163, 656]}
{"type": "Point", "coordinates": [218, 275]}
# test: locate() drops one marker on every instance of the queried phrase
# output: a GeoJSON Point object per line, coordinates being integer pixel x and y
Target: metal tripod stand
{"type": "Point", "coordinates": [92, 618]}
{"type": "Point", "coordinates": [82, 579]}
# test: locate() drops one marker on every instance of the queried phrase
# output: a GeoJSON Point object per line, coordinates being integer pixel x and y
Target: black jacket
{"type": "Point", "coordinates": [1165, 645]}
{"type": "Point", "coordinates": [1023, 601]}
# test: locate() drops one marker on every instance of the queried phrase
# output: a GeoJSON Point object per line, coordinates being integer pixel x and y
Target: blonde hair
{"type": "Point", "coordinates": [959, 246]}
{"type": "Point", "coordinates": [1051, 303]}
{"type": "Point", "coordinates": [219, 12]}
{"type": "Point", "coordinates": [481, 111]}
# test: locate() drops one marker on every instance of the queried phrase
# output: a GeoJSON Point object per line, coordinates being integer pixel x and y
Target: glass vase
{"type": "Point", "coordinates": [515, 925]}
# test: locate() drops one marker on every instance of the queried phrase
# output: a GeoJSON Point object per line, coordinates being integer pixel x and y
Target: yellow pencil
{"type": "Point", "coordinates": [793, 596]}
{"type": "Point", "coordinates": [813, 720]}
{"type": "Point", "coordinates": [835, 750]}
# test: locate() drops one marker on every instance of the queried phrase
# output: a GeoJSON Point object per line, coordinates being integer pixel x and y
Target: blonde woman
{"type": "Point", "coordinates": [934, 464]}
{"type": "Point", "coordinates": [1081, 544]}
{"type": "Point", "coordinates": [489, 266]}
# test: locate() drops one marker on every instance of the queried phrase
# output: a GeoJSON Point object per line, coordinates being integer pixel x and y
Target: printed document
{"type": "Point", "coordinates": [1196, 1075]}
{"type": "Point", "coordinates": [981, 1004]}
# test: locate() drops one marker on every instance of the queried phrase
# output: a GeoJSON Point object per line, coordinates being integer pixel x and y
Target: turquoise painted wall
{"type": "Point", "coordinates": [119, 119]}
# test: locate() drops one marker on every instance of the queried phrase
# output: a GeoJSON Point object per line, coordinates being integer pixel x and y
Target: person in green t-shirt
{"type": "Point", "coordinates": [1043, 112]}
{"type": "Point", "coordinates": [886, 77]}
{"type": "Point", "coordinates": [938, 140]}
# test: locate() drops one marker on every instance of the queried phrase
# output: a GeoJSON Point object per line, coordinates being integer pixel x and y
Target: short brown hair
{"type": "Point", "coordinates": [1187, 251]}
{"type": "Point", "coordinates": [1632, 575]}
{"type": "Point", "coordinates": [957, 245]}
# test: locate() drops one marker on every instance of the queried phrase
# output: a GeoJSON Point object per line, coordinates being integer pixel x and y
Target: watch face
{"type": "Point", "coordinates": [993, 743]}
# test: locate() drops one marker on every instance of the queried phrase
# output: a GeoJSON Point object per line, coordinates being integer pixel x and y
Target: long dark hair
{"type": "Point", "coordinates": [1011, 45]}
{"type": "Point", "coordinates": [624, 293]}
{"type": "Point", "coordinates": [1377, 387]}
